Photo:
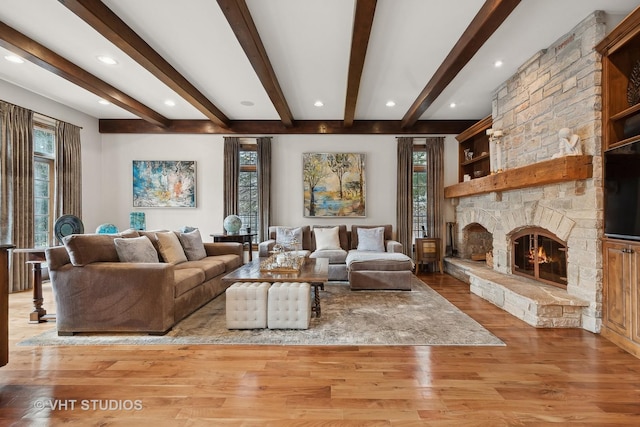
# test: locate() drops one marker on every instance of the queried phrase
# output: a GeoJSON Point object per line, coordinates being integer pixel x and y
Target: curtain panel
{"type": "Point", "coordinates": [68, 166]}
{"type": "Point", "coordinates": [264, 184]}
{"type": "Point", "coordinates": [435, 187]}
{"type": "Point", "coordinates": [231, 175]}
{"type": "Point", "coordinates": [404, 202]}
{"type": "Point", "coordinates": [17, 190]}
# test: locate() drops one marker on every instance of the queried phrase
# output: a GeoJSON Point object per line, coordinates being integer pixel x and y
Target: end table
{"type": "Point", "coordinates": [244, 238]}
{"type": "Point", "coordinates": [428, 249]}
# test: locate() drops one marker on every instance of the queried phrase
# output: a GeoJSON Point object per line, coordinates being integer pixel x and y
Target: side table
{"type": "Point", "coordinates": [36, 257]}
{"type": "Point", "coordinates": [244, 238]}
{"type": "Point", "coordinates": [428, 249]}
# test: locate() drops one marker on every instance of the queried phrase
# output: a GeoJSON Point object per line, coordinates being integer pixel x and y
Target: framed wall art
{"type": "Point", "coordinates": [164, 183]}
{"type": "Point", "coordinates": [334, 184]}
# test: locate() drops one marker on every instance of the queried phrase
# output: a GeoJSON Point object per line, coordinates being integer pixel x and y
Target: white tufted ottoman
{"type": "Point", "coordinates": [289, 306]}
{"type": "Point", "coordinates": [246, 305]}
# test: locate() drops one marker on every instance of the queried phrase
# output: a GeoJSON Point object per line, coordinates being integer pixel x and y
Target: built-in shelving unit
{"type": "Point", "coordinates": [475, 140]}
{"type": "Point", "coordinates": [620, 126]}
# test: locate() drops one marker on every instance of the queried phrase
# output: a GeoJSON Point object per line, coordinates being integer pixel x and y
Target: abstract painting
{"type": "Point", "coordinates": [164, 183]}
{"type": "Point", "coordinates": [334, 184]}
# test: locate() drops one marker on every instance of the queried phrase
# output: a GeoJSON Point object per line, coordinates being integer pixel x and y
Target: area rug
{"type": "Point", "coordinates": [417, 317]}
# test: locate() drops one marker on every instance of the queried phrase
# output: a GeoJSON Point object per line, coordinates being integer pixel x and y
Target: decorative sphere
{"type": "Point", "coordinates": [232, 224]}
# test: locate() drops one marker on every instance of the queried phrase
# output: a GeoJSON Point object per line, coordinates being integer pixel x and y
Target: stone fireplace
{"type": "Point", "coordinates": [544, 237]}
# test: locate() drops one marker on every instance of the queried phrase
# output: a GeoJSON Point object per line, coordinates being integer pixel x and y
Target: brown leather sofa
{"type": "Point", "coordinates": [95, 292]}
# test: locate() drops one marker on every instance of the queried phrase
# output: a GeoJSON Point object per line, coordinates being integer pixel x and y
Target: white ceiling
{"type": "Point", "coordinates": [308, 43]}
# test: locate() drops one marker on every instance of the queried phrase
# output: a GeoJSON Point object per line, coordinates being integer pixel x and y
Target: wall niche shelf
{"type": "Point", "coordinates": [567, 168]}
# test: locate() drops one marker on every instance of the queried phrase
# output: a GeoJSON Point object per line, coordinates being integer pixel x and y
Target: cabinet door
{"type": "Point", "coordinates": [634, 258]}
{"type": "Point", "coordinates": [616, 292]}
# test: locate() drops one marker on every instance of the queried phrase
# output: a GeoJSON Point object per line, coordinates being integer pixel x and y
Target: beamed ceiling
{"type": "Point", "coordinates": [256, 67]}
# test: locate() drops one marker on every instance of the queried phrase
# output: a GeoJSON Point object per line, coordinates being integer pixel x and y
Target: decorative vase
{"type": "Point", "coordinates": [137, 221]}
{"type": "Point", "coordinates": [232, 224]}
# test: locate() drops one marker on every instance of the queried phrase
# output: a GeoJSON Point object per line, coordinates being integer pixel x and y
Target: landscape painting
{"type": "Point", "coordinates": [334, 184]}
{"type": "Point", "coordinates": [164, 183]}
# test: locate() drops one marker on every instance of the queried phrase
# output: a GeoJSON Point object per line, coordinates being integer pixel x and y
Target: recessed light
{"type": "Point", "coordinates": [452, 105]}
{"type": "Point", "coordinates": [169, 103]}
{"type": "Point", "coordinates": [103, 102]}
{"type": "Point", "coordinates": [107, 60]}
{"type": "Point", "coordinates": [318, 103]}
{"type": "Point", "coordinates": [390, 103]}
{"type": "Point", "coordinates": [14, 58]}
{"type": "Point", "coordinates": [497, 64]}
{"type": "Point", "coordinates": [247, 103]}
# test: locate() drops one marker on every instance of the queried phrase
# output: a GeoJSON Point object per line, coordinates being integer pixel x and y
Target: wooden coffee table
{"type": "Point", "coordinates": [315, 271]}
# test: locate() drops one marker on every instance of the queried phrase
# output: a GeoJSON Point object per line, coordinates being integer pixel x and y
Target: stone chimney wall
{"type": "Point", "coordinates": [557, 88]}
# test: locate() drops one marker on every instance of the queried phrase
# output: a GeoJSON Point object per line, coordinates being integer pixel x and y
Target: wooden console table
{"type": "Point", "coordinates": [244, 238]}
{"type": "Point", "coordinates": [36, 257]}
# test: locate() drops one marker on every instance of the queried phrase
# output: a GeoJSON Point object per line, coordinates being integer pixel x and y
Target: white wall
{"type": "Point", "coordinates": [287, 186]}
{"type": "Point", "coordinates": [91, 144]}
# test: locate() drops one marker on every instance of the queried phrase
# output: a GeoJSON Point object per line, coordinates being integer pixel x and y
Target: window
{"type": "Point", "coordinates": [419, 190]}
{"type": "Point", "coordinates": [248, 187]}
{"type": "Point", "coordinates": [43, 182]}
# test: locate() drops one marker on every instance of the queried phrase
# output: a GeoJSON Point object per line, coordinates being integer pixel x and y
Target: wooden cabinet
{"type": "Point", "coordinates": [621, 83]}
{"type": "Point", "coordinates": [475, 140]}
{"type": "Point", "coordinates": [4, 304]}
{"type": "Point", "coordinates": [428, 250]}
{"type": "Point", "coordinates": [621, 296]}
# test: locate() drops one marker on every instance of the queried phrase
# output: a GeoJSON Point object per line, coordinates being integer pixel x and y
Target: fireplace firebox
{"type": "Point", "coordinates": [540, 255]}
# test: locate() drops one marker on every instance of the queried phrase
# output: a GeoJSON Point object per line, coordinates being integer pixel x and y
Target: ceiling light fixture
{"type": "Point", "coordinates": [390, 103]}
{"type": "Point", "coordinates": [452, 105]}
{"type": "Point", "coordinates": [14, 58]}
{"type": "Point", "coordinates": [107, 60]}
{"type": "Point", "coordinates": [103, 102]}
{"type": "Point", "coordinates": [319, 103]}
{"type": "Point", "coordinates": [169, 103]}
{"type": "Point", "coordinates": [247, 103]}
{"type": "Point", "coordinates": [497, 64]}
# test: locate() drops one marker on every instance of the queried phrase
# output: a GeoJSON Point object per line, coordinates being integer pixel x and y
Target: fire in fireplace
{"type": "Point", "coordinates": [540, 255]}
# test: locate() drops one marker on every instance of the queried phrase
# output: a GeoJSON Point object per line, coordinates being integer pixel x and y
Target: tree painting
{"type": "Point", "coordinates": [334, 184]}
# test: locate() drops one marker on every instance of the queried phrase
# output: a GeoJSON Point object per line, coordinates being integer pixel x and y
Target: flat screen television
{"type": "Point", "coordinates": [622, 192]}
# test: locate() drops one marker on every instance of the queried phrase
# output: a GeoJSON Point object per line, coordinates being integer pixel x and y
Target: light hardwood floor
{"type": "Point", "coordinates": [541, 377]}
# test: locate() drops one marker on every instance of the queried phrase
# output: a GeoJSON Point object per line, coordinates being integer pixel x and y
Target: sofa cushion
{"type": "Point", "coordinates": [388, 233]}
{"type": "Point", "coordinates": [285, 234]}
{"type": "Point", "coordinates": [210, 266]}
{"type": "Point", "coordinates": [170, 248]}
{"type": "Point", "coordinates": [87, 248]}
{"type": "Point", "coordinates": [187, 279]}
{"type": "Point", "coordinates": [135, 249]}
{"type": "Point", "coordinates": [371, 239]}
{"type": "Point", "coordinates": [336, 256]}
{"type": "Point", "coordinates": [327, 238]}
{"type": "Point", "coordinates": [377, 261]}
{"type": "Point", "coordinates": [192, 244]}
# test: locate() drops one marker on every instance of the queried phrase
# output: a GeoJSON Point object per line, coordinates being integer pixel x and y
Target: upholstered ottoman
{"type": "Point", "coordinates": [289, 306]}
{"type": "Point", "coordinates": [246, 305]}
{"type": "Point", "coordinates": [379, 270]}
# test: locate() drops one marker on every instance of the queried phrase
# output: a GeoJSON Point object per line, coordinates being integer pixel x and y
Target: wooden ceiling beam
{"type": "Point", "coordinates": [104, 21]}
{"type": "Point", "coordinates": [276, 127]}
{"type": "Point", "coordinates": [490, 16]}
{"type": "Point", "coordinates": [241, 22]}
{"type": "Point", "coordinates": [36, 53]}
{"type": "Point", "coordinates": [362, 23]}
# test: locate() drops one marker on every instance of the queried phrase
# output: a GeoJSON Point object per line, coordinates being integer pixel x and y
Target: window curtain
{"type": "Point", "coordinates": [404, 203]}
{"type": "Point", "coordinates": [264, 183]}
{"type": "Point", "coordinates": [68, 166]}
{"type": "Point", "coordinates": [231, 175]}
{"type": "Point", "coordinates": [17, 189]}
{"type": "Point", "coordinates": [435, 187]}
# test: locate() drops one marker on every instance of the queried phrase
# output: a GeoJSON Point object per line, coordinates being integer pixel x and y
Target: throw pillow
{"type": "Point", "coordinates": [284, 235]}
{"type": "Point", "coordinates": [192, 244]}
{"type": "Point", "coordinates": [170, 248]}
{"type": "Point", "coordinates": [135, 249]}
{"type": "Point", "coordinates": [371, 239]}
{"type": "Point", "coordinates": [327, 238]}
{"type": "Point", "coordinates": [84, 249]}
